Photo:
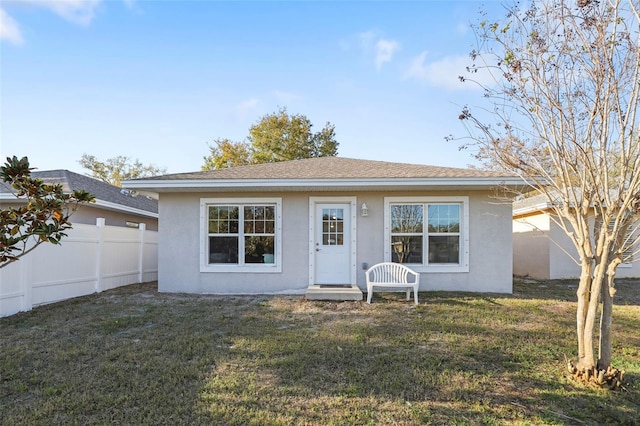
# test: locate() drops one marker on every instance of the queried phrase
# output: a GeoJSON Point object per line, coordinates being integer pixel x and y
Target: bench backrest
{"type": "Point", "coordinates": [390, 272]}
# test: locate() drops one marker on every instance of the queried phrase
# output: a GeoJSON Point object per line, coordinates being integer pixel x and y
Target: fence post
{"type": "Point", "coordinates": [100, 223]}
{"type": "Point", "coordinates": [27, 283]}
{"type": "Point", "coordinates": [141, 229]}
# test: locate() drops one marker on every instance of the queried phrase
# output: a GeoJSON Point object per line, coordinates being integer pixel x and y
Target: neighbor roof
{"type": "Point", "coordinates": [107, 196]}
{"type": "Point", "coordinates": [323, 173]}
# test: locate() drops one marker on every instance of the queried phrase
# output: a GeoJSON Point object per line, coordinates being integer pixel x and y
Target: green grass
{"type": "Point", "coordinates": [133, 356]}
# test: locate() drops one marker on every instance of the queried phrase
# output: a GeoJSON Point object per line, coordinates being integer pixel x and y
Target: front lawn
{"type": "Point", "coordinates": [134, 356]}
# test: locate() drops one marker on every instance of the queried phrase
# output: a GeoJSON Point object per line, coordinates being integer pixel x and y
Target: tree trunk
{"type": "Point", "coordinates": [584, 289]}
{"type": "Point", "coordinates": [606, 337]}
{"type": "Point", "coordinates": [593, 296]}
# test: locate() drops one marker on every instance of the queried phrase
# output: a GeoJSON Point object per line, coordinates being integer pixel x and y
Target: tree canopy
{"type": "Point", "coordinates": [42, 218]}
{"type": "Point", "coordinates": [116, 169]}
{"type": "Point", "coordinates": [226, 153]}
{"type": "Point", "coordinates": [279, 136]}
{"type": "Point", "coordinates": [564, 116]}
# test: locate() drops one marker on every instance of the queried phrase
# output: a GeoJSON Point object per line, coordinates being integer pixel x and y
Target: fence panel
{"type": "Point", "coordinates": [91, 259]}
{"type": "Point", "coordinates": [149, 257]}
{"type": "Point", "coordinates": [120, 257]}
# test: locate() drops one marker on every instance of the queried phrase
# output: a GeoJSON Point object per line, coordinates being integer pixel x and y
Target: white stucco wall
{"type": "Point", "coordinates": [490, 244]}
{"type": "Point", "coordinates": [563, 266]}
{"type": "Point", "coordinates": [563, 256]}
{"type": "Point", "coordinates": [531, 246]}
{"type": "Point", "coordinates": [542, 249]}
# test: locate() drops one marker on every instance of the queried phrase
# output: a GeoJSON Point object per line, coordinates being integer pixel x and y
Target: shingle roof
{"type": "Point", "coordinates": [71, 181]}
{"type": "Point", "coordinates": [331, 168]}
{"type": "Point", "coordinates": [535, 202]}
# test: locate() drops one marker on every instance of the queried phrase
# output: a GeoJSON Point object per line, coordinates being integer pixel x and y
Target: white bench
{"type": "Point", "coordinates": [392, 275]}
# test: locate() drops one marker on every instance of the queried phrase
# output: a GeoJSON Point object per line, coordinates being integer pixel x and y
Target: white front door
{"type": "Point", "coordinates": [332, 243]}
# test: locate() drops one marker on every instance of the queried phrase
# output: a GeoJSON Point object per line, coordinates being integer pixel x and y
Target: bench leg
{"type": "Point", "coordinates": [415, 294]}
{"type": "Point", "coordinates": [408, 293]}
{"type": "Point", "coordinates": [369, 293]}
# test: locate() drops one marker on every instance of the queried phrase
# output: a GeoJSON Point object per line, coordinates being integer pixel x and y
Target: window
{"type": "Point", "coordinates": [332, 227]}
{"type": "Point", "coordinates": [241, 235]}
{"type": "Point", "coordinates": [627, 244]}
{"type": "Point", "coordinates": [427, 233]}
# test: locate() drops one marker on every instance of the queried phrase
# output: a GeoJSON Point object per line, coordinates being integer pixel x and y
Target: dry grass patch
{"type": "Point", "coordinates": [134, 356]}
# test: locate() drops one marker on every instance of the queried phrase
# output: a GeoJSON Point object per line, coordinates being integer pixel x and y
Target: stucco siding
{"type": "Point", "coordinates": [178, 249]}
{"type": "Point", "coordinates": [565, 263]}
{"type": "Point", "coordinates": [88, 214]}
{"type": "Point", "coordinates": [542, 249]}
{"type": "Point", "coordinates": [179, 257]}
{"type": "Point", "coordinates": [490, 246]}
{"type": "Point", "coordinates": [563, 256]}
{"type": "Point", "coordinates": [531, 246]}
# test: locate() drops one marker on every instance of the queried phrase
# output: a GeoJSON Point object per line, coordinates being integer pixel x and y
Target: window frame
{"type": "Point", "coordinates": [629, 252]}
{"type": "Point", "coordinates": [205, 266]}
{"type": "Point", "coordinates": [426, 201]}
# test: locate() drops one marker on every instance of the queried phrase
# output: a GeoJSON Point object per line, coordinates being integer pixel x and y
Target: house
{"type": "Point", "coordinates": [542, 249]}
{"type": "Point", "coordinates": [314, 226]}
{"type": "Point", "coordinates": [117, 206]}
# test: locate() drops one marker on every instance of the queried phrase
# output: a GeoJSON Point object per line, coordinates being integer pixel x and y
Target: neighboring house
{"type": "Point", "coordinates": [310, 225]}
{"type": "Point", "coordinates": [541, 248]}
{"type": "Point", "coordinates": [117, 206]}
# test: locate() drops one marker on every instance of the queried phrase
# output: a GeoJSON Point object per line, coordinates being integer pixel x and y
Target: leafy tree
{"type": "Point", "coordinates": [280, 137]}
{"type": "Point", "coordinates": [227, 153]}
{"type": "Point", "coordinates": [116, 169]}
{"type": "Point", "coordinates": [275, 137]}
{"type": "Point", "coordinates": [42, 219]}
{"type": "Point", "coordinates": [565, 104]}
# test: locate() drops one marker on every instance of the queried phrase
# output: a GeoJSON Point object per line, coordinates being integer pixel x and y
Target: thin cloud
{"type": "Point", "coordinates": [79, 12]}
{"type": "Point", "coordinates": [367, 39]}
{"type": "Point", "coordinates": [371, 43]}
{"type": "Point", "coordinates": [462, 28]}
{"type": "Point", "coordinates": [9, 29]}
{"type": "Point", "coordinates": [284, 96]}
{"type": "Point", "coordinates": [445, 72]}
{"type": "Point", "coordinates": [247, 106]}
{"type": "Point", "coordinates": [384, 51]}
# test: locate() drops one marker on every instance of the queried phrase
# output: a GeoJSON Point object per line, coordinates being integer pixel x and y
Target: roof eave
{"type": "Point", "coordinates": [537, 208]}
{"type": "Point", "coordinates": [106, 205]}
{"type": "Point", "coordinates": [368, 184]}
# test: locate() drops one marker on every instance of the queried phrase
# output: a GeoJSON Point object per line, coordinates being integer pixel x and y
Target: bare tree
{"type": "Point", "coordinates": [565, 118]}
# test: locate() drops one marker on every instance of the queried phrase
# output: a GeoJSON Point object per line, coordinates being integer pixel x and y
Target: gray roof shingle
{"type": "Point", "coordinates": [71, 181]}
{"type": "Point", "coordinates": [331, 168]}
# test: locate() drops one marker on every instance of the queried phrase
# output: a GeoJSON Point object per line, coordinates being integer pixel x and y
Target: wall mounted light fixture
{"type": "Point", "coordinates": [364, 211]}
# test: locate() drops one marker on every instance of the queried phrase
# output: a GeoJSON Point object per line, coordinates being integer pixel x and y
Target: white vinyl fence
{"type": "Point", "coordinates": [92, 258]}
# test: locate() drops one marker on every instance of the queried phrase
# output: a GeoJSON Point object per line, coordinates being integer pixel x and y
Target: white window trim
{"type": "Point", "coordinates": [276, 267]}
{"type": "Point", "coordinates": [464, 231]}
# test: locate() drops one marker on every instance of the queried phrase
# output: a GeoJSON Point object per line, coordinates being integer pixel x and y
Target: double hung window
{"type": "Point", "coordinates": [429, 233]}
{"type": "Point", "coordinates": [241, 234]}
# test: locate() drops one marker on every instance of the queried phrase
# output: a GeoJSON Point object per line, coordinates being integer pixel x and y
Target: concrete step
{"type": "Point", "coordinates": [329, 292]}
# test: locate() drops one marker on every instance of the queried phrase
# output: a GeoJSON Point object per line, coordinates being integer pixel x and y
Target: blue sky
{"type": "Point", "coordinates": [160, 80]}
